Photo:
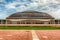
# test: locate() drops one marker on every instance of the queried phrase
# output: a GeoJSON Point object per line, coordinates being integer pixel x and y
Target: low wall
{"type": "Point", "coordinates": [56, 25]}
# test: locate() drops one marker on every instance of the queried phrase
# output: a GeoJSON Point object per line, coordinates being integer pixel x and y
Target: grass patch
{"type": "Point", "coordinates": [29, 28]}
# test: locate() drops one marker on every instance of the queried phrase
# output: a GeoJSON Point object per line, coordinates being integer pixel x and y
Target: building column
{"type": "Point", "coordinates": [20, 22]}
{"type": "Point", "coordinates": [1, 21]}
{"type": "Point", "coordinates": [54, 21]}
{"type": "Point", "coordinates": [50, 21]}
{"type": "Point", "coordinates": [31, 22]}
{"type": "Point", "coordinates": [58, 21]}
{"type": "Point", "coordinates": [25, 22]}
{"type": "Point", "coordinates": [6, 21]}
{"type": "Point", "coordinates": [34, 22]}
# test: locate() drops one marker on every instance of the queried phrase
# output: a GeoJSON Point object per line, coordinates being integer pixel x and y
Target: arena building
{"type": "Point", "coordinates": [28, 18]}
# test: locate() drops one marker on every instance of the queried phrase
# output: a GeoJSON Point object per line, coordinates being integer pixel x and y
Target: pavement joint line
{"type": "Point", "coordinates": [1, 38]}
{"type": "Point", "coordinates": [34, 35]}
{"type": "Point", "coordinates": [45, 37]}
{"type": "Point", "coordinates": [9, 35]}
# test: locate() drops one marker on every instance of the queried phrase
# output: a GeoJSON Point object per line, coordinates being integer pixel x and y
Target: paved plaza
{"type": "Point", "coordinates": [29, 34]}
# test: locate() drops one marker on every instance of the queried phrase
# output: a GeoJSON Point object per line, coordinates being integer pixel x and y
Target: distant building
{"type": "Point", "coordinates": [29, 17]}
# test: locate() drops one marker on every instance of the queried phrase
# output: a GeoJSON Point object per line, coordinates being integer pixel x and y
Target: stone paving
{"type": "Point", "coordinates": [48, 34]}
{"type": "Point", "coordinates": [29, 34]}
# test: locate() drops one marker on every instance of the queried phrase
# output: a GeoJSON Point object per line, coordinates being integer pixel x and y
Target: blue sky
{"type": "Point", "coordinates": [8, 7]}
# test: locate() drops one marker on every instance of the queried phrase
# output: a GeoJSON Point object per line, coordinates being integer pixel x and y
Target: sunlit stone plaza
{"type": "Point", "coordinates": [29, 34]}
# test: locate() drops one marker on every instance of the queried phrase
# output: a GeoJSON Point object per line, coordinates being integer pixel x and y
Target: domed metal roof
{"type": "Point", "coordinates": [30, 15]}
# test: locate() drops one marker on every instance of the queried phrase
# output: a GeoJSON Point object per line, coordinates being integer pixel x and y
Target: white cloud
{"type": "Point", "coordinates": [21, 8]}
{"type": "Point", "coordinates": [2, 0]}
{"type": "Point", "coordinates": [54, 1]}
{"type": "Point", "coordinates": [41, 1]}
{"type": "Point", "coordinates": [33, 4]}
{"type": "Point", "coordinates": [57, 0]}
{"type": "Point", "coordinates": [11, 5]}
{"type": "Point", "coordinates": [44, 1]}
{"type": "Point", "coordinates": [57, 14]}
{"type": "Point", "coordinates": [37, 3]}
{"type": "Point", "coordinates": [2, 16]}
{"type": "Point", "coordinates": [25, 0]}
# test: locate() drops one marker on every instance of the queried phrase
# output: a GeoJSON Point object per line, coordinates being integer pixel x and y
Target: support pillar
{"type": "Point", "coordinates": [20, 22]}
{"type": "Point", "coordinates": [58, 21]}
{"type": "Point", "coordinates": [1, 21]}
{"type": "Point", "coordinates": [31, 22]}
{"type": "Point", "coordinates": [50, 22]}
{"type": "Point", "coordinates": [34, 22]}
{"type": "Point", "coordinates": [6, 21]}
{"type": "Point", "coordinates": [25, 22]}
{"type": "Point", "coordinates": [54, 21]}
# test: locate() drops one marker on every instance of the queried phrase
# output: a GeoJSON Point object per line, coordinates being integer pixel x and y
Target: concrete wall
{"type": "Point", "coordinates": [55, 25]}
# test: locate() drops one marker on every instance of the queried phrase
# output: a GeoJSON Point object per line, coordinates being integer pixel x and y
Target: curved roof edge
{"type": "Point", "coordinates": [29, 11]}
